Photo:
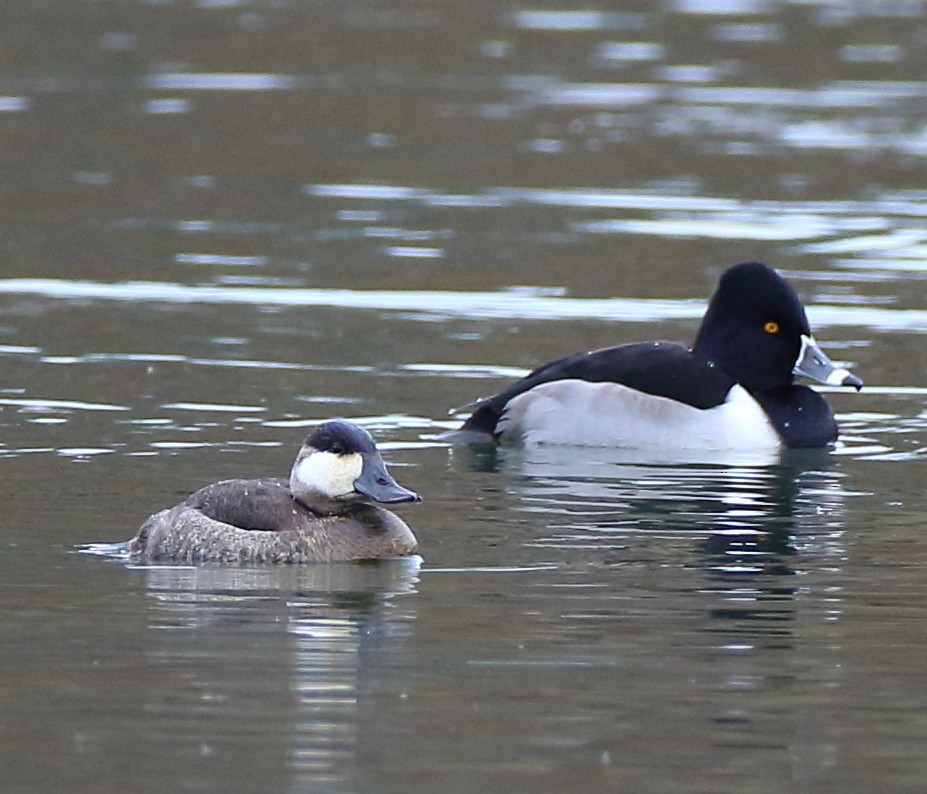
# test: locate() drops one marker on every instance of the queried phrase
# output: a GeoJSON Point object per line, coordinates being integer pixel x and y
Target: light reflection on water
{"type": "Point", "coordinates": [511, 304]}
{"type": "Point", "coordinates": [750, 504]}
{"type": "Point", "coordinates": [340, 625]}
{"type": "Point", "coordinates": [166, 424]}
{"type": "Point", "coordinates": [223, 221]}
{"type": "Point", "coordinates": [185, 81]}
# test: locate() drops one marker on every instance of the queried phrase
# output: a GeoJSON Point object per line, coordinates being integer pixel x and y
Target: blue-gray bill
{"type": "Point", "coordinates": [378, 484]}
{"type": "Point", "coordinates": [813, 363]}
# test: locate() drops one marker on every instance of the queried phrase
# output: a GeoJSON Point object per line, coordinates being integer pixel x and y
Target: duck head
{"type": "Point", "coordinates": [340, 460]}
{"type": "Point", "coordinates": [756, 329]}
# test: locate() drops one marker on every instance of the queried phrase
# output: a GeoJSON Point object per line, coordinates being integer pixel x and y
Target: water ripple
{"type": "Point", "coordinates": [37, 404]}
{"type": "Point", "coordinates": [522, 304]}
{"type": "Point", "coordinates": [219, 407]}
{"type": "Point", "coordinates": [183, 81]}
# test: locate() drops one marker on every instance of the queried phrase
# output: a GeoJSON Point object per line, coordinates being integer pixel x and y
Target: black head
{"type": "Point", "coordinates": [753, 327]}
{"type": "Point", "coordinates": [341, 437]}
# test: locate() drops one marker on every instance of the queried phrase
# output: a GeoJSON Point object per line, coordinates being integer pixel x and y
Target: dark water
{"type": "Point", "coordinates": [221, 222]}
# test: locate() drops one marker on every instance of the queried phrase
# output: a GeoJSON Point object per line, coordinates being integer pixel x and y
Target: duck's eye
{"type": "Point", "coordinates": [772, 327]}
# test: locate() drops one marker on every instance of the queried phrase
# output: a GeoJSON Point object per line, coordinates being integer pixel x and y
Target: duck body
{"type": "Point", "coordinates": [734, 389]}
{"type": "Point", "coordinates": [319, 514]}
{"type": "Point", "coordinates": [259, 521]}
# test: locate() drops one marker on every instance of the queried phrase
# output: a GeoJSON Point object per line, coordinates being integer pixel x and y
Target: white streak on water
{"type": "Point", "coordinates": [13, 104]}
{"type": "Point", "coordinates": [630, 51]}
{"type": "Point", "coordinates": [468, 304]}
{"type": "Point", "coordinates": [466, 370]}
{"type": "Point", "coordinates": [580, 20]}
{"type": "Point", "coordinates": [505, 305]}
{"type": "Point", "coordinates": [230, 81]}
{"type": "Point", "coordinates": [167, 106]}
{"type": "Point", "coordinates": [81, 452]}
{"type": "Point", "coordinates": [559, 20]}
{"type": "Point", "coordinates": [773, 229]}
{"type": "Point", "coordinates": [188, 406]}
{"type": "Point", "coordinates": [219, 259]}
{"type": "Point", "coordinates": [414, 252]}
{"type": "Point", "coordinates": [871, 242]}
{"type": "Point", "coordinates": [721, 7]}
{"type": "Point", "coordinates": [19, 349]}
{"type": "Point", "coordinates": [600, 94]}
{"type": "Point", "coordinates": [882, 266]}
{"type": "Point", "coordinates": [845, 214]}
{"type": "Point", "coordinates": [64, 405]}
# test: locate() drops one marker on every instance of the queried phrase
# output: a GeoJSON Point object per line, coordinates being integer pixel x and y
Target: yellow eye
{"type": "Point", "coordinates": [772, 327]}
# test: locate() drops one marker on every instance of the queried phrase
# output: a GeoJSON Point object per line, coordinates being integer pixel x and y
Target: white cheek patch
{"type": "Point", "coordinates": [329, 474]}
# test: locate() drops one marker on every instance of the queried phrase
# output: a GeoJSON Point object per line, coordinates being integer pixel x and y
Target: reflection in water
{"type": "Point", "coordinates": [748, 524]}
{"type": "Point", "coordinates": [226, 205]}
{"type": "Point", "coordinates": [308, 637]}
{"type": "Point", "coordinates": [725, 572]}
{"type": "Point", "coordinates": [777, 499]}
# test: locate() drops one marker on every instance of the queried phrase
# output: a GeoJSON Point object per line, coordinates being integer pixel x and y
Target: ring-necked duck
{"type": "Point", "coordinates": [733, 390]}
{"type": "Point", "coordinates": [319, 514]}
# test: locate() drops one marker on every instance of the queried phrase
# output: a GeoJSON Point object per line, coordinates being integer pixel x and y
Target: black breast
{"type": "Point", "coordinates": [801, 416]}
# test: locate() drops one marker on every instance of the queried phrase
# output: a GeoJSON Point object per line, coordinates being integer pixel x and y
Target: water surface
{"type": "Point", "coordinates": [224, 222]}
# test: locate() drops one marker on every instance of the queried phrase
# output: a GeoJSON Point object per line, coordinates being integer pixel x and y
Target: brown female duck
{"type": "Point", "coordinates": [322, 513]}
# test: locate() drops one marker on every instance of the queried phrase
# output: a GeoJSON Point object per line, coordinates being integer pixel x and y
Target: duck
{"type": "Point", "coordinates": [733, 389]}
{"type": "Point", "coordinates": [324, 512]}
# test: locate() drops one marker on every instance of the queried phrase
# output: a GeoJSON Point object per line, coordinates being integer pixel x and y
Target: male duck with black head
{"type": "Point", "coordinates": [322, 513]}
{"type": "Point", "coordinates": [734, 389]}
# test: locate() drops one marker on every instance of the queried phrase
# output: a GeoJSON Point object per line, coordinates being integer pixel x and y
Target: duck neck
{"type": "Point", "coordinates": [756, 374]}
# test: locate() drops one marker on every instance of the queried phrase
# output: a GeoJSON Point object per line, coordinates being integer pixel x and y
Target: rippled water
{"type": "Point", "coordinates": [224, 221]}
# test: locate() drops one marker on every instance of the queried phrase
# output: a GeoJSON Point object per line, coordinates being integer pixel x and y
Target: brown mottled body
{"type": "Point", "coordinates": [260, 521]}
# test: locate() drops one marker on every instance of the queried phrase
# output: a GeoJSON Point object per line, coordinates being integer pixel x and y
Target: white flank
{"type": "Point", "coordinates": [612, 415]}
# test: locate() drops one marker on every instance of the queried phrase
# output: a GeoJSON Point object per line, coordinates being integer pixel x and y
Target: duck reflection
{"type": "Point", "coordinates": [271, 642]}
{"type": "Point", "coordinates": [738, 528]}
{"type": "Point", "coordinates": [739, 509]}
{"type": "Point", "coordinates": [724, 574]}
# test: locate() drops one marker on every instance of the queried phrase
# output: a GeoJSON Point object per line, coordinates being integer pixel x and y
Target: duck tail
{"type": "Point", "coordinates": [483, 420]}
